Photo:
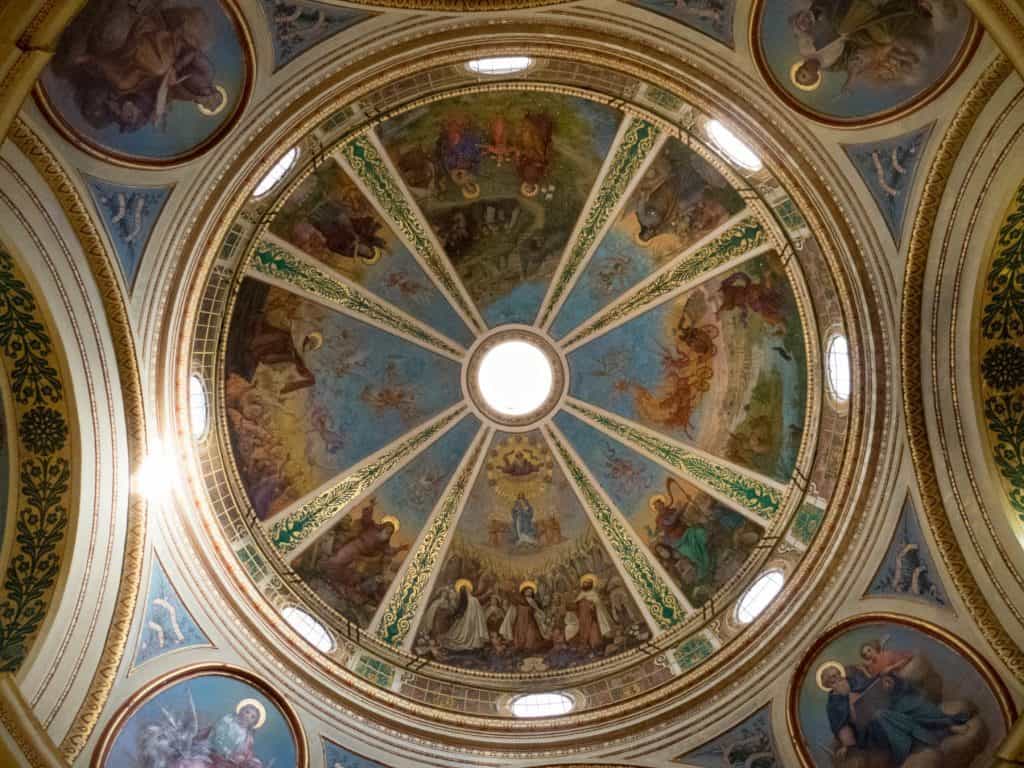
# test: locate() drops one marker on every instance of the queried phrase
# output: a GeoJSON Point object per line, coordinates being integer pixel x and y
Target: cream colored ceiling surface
{"type": "Point", "coordinates": [769, 365]}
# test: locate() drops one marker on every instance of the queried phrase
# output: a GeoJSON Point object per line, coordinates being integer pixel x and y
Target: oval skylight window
{"type": "Point", "coordinates": [499, 65]}
{"type": "Point", "coordinates": [198, 412]}
{"type": "Point", "coordinates": [759, 596]}
{"type": "Point", "coordinates": [312, 631]}
{"type": "Point", "coordinates": [276, 173]}
{"type": "Point", "coordinates": [732, 147]}
{"type": "Point", "coordinates": [542, 705]}
{"type": "Point", "coordinates": [837, 360]}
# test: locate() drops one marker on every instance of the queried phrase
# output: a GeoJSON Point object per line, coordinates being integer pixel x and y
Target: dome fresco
{"type": "Point", "coordinates": [652, 484]}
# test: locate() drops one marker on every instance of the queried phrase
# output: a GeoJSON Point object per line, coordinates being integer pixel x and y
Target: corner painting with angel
{"type": "Point", "coordinates": [205, 721]}
{"type": "Point", "coordinates": [148, 81]}
{"type": "Point", "coordinates": [884, 694]}
{"type": "Point", "coordinates": [857, 60]}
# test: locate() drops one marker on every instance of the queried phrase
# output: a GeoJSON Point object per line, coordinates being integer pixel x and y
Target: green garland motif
{"type": "Point", "coordinates": [658, 598]}
{"type": "Point", "coordinates": [44, 481]}
{"type": "Point", "coordinates": [366, 161]}
{"type": "Point", "coordinates": [733, 243]}
{"type": "Point", "coordinates": [693, 651]}
{"type": "Point", "coordinates": [635, 146]}
{"type": "Point", "coordinates": [758, 497]}
{"type": "Point", "coordinates": [288, 533]}
{"type": "Point", "coordinates": [273, 261]}
{"type": "Point", "coordinates": [807, 522]}
{"type": "Point", "coordinates": [1003, 314]}
{"type": "Point", "coordinates": [397, 620]}
{"type": "Point", "coordinates": [1002, 353]}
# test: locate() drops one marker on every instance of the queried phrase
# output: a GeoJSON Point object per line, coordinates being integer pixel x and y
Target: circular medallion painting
{"type": "Point", "coordinates": [889, 692]}
{"type": "Point", "coordinates": [856, 61]}
{"type": "Point", "coordinates": [204, 718]}
{"type": "Point", "coordinates": [148, 83]}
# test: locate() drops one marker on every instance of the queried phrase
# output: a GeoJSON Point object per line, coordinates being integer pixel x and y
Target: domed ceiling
{"type": "Point", "coordinates": [613, 525]}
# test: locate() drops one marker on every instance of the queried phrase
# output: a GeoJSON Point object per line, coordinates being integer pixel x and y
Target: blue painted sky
{"type": "Point", "coordinates": [298, 25]}
{"type": "Point", "coordinates": [908, 569]}
{"type": "Point", "coordinates": [752, 411]}
{"type": "Point", "coordinates": [186, 126]}
{"type": "Point", "coordinates": [713, 18]}
{"type": "Point", "coordinates": [371, 387]}
{"type": "Point", "coordinates": [622, 259]}
{"type": "Point", "coordinates": [128, 215]}
{"type": "Point", "coordinates": [751, 737]}
{"type": "Point", "coordinates": [215, 696]}
{"type": "Point", "coordinates": [505, 243]}
{"type": "Point", "coordinates": [888, 168]}
{"type": "Point", "coordinates": [164, 608]}
{"type": "Point", "coordinates": [396, 277]}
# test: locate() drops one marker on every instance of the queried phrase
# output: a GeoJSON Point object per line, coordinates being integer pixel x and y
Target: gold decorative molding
{"type": "Point", "coordinates": [30, 30]}
{"type": "Point", "coordinates": [104, 272]}
{"type": "Point", "coordinates": [1004, 20]}
{"type": "Point", "coordinates": [20, 723]}
{"type": "Point", "coordinates": [910, 362]}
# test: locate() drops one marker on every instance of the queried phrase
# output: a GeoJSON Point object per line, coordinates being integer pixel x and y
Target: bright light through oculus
{"type": "Point", "coordinates": [499, 65]}
{"type": "Point", "coordinates": [276, 173]}
{"type": "Point", "coordinates": [840, 381]}
{"type": "Point", "coordinates": [759, 596]}
{"type": "Point", "coordinates": [312, 631]}
{"type": "Point", "coordinates": [155, 478]}
{"type": "Point", "coordinates": [542, 705]}
{"type": "Point", "coordinates": [731, 146]}
{"type": "Point", "coordinates": [515, 378]}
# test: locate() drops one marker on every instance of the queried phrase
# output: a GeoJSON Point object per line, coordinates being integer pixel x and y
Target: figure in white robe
{"type": "Point", "coordinates": [468, 631]}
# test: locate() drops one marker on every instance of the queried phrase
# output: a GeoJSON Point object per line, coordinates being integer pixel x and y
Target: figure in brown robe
{"type": "Point", "coordinates": [522, 626]}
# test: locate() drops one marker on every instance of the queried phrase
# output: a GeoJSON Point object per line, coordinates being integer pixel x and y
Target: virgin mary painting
{"type": "Point", "coordinates": [151, 81]}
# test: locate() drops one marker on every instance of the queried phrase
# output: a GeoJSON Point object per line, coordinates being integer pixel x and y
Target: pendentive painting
{"type": "Point", "coordinates": [859, 61]}
{"type": "Point", "coordinates": [205, 719]}
{"type": "Point", "coordinates": [527, 584]}
{"type": "Point", "coordinates": [148, 83]}
{"type": "Point", "coordinates": [889, 692]}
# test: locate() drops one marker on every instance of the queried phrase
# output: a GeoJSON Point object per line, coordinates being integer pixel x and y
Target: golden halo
{"type": "Point", "coordinates": [471, 190]}
{"type": "Point", "coordinates": [592, 578]}
{"type": "Point", "coordinates": [823, 668]}
{"type": "Point", "coordinates": [219, 108]}
{"type": "Point", "coordinates": [664, 498]}
{"type": "Point", "coordinates": [792, 76]}
{"type": "Point", "coordinates": [393, 520]}
{"type": "Point", "coordinates": [464, 583]}
{"type": "Point", "coordinates": [528, 583]}
{"type": "Point", "coordinates": [529, 190]}
{"type": "Point", "coordinates": [255, 705]}
{"type": "Point", "coordinates": [315, 340]}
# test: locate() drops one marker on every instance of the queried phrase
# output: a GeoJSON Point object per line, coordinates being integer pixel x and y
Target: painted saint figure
{"type": "Point", "coordinates": [594, 622]}
{"type": "Point", "coordinates": [884, 713]}
{"type": "Point", "coordinates": [231, 739]}
{"type": "Point", "coordinates": [468, 630]}
{"type": "Point", "coordinates": [526, 625]}
{"type": "Point", "coordinates": [129, 62]}
{"type": "Point", "coordinates": [524, 532]}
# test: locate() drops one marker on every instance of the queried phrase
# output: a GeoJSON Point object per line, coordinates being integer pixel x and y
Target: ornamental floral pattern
{"type": "Point", "coordinates": [40, 518]}
{"type": "Point", "coordinates": [1001, 352]}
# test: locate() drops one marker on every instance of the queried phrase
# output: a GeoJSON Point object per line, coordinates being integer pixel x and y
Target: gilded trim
{"type": "Point", "coordinates": [155, 687]}
{"type": "Point", "coordinates": [910, 363]}
{"type": "Point", "coordinates": [992, 678]}
{"type": "Point", "coordinates": [105, 272]}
